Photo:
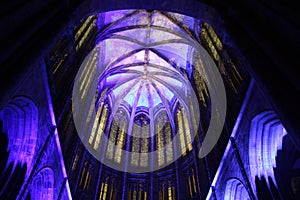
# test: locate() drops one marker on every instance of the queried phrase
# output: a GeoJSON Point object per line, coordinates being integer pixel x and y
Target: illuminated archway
{"type": "Point", "coordinates": [42, 185]}
{"type": "Point", "coordinates": [265, 139]}
{"type": "Point", "coordinates": [235, 190]}
{"type": "Point", "coordinates": [20, 125]}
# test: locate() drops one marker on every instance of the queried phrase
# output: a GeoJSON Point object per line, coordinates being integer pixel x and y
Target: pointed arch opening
{"type": "Point", "coordinates": [265, 139]}
{"type": "Point", "coordinates": [19, 120]}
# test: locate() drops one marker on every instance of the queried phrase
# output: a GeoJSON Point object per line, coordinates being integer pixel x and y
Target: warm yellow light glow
{"type": "Point", "coordinates": [161, 159]}
{"type": "Point", "coordinates": [87, 181]}
{"type": "Point", "coordinates": [95, 125]}
{"type": "Point", "coordinates": [105, 191]}
{"type": "Point", "coordinates": [84, 87]}
{"type": "Point", "coordinates": [85, 24]}
{"type": "Point", "coordinates": [210, 45]}
{"type": "Point", "coordinates": [112, 138]}
{"type": "Point", "coordinates": [187, 130]}
{"type": "Point", "coordinates": [120, 142]}
{"type": "Point", "coordinates": [170, 193]}
{"type": "Point", "coordinates": [57, 65]}
{"type": "Point", "coordinates": [190, 187]}
{"type": "Point", "coordinates": [181, 133]}
{"type": "Point", "coordinates": [134, 194]}
{"type": "Point", "coordinates": [135, 149]}
{"type": "Point", "coordinates": [194, 183]}
{"type": "Point", "coordinates": [214, 36]}
{"type": "Point", "coordinates": [101, 128]}
{"type": "Point", "coordinates": [101, 191]}
{"type": "Point", "coordinates": [75, 161]}
{"type": "Point", "coordinates": [144, 154]}
{"type": "Point", "coordinates": [86, 34]}
{"type": "Point", "coordinates": [82, 176]}
{"type": "Point", "coordinates": [111, 192]}
{"type": "Point", "coordinates": [169, 149]}
{"type": "Point", "coordinates": [200, 84]}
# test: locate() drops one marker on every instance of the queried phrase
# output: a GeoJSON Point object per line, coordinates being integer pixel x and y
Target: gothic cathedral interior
{"type": "Point", "coordinates": [146, 100]}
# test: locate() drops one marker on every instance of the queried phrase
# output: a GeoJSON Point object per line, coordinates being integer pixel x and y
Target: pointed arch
{"type": "Point", "coordinates": [20, 123]}
{"type": "Point", "coordinates": [235, 190]}
{"type": "Point", "coordinates": [42, 185]}
{"type": "Point", "coordinates": [265, 139]}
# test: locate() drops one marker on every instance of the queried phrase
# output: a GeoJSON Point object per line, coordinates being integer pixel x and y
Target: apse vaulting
{"type": "Point", "coordinates": [139, 105]}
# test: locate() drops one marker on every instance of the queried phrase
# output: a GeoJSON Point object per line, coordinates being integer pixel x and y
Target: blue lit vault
{"type": "Point", "coordinates": [136, 91]}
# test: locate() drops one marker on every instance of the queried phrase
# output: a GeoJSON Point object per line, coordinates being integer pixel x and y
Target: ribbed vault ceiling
{"type": "Point", "coordinates": [144, 53]}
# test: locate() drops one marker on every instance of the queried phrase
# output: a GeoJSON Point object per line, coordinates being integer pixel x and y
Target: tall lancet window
{"type": "Point", "coordinates": [164, 135]}
{"type": "Point", "coordinates": [108, 187]}
{"type": "Point", "coordinates": [167, 190]}
{"type": "Point", "coordinates": [117, 136]}
{"type": "Point", "coordinates": [138, 188]}
{"type": "Point", "coordinates": [99, 125]}
{"type": "Point", "coordinates": [86, 176]}
{"type": "Point", "coordinates": [232, 75]}
{"type": "Point", "coordinates": [184, 130]}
